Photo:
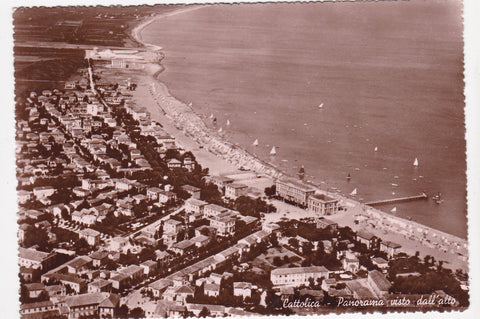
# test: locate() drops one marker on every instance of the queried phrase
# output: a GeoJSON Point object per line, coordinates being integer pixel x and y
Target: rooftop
{"type": "Point", "coordinates": [324, 198]}
{"type": "Point", "coordinates": [32, 254]}
{"type": "Point", "coordinates": [298, 270]}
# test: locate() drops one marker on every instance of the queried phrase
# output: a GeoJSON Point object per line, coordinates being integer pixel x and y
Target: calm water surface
{"type": "Point", "coordinates": [389, 75]}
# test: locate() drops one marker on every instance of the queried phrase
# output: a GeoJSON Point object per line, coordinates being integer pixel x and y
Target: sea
{"type": "Point", "coordinates": [327, 84]}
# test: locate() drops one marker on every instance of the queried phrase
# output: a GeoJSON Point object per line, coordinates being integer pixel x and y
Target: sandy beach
{"type": "Point", "coordinates": [222, 157]}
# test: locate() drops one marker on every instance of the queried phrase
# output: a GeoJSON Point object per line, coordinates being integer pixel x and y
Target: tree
{"type": "Point", "coordinates": [293, 242]}
{"type": "Point", "coordinates": [270, 191]}
{"type": "Point", "coordinates": [277, 261]}
{"type": "Point", "coordinates": [137, 313]}
{"type": "Point", "coordinates": [274, 240]}
{"type": "Point", "coordinates": [36, 236]}
{"type": "Point", "coordinates": [204, 313]}
{"type": "Point", "coordinates": [122, 311]}
{"type": "Point", "coordinates": [307, 248]}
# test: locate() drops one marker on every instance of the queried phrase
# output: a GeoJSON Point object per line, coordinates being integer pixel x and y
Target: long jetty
{"type": "Point", "coordinates": [397, 200]}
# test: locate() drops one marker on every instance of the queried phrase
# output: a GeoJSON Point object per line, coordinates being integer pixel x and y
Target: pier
{"type": "Point", "coordinates": [397, 200]}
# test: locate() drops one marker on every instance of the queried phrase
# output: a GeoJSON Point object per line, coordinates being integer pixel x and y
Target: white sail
{"type": "Point", "coordinates": [255, 143]}
{"type": "Point", "coordinates": [394, 209]}
{"type": "Point", "coordinates": [415, 163]}
{"type": "Point", "coordinates": [211, 116]}
{"type": "Point", "coordinates": [376, 149]}
{"type": "Point", "coordinates": [228, 122]}
{"type": "Point", "coordinates": [220, 130]}
{"type": "Point", "coordinates": [354, 192]}
{"type": "Point", "coordinates": [190, 104]}
{"type": "Point", "coordinates": [273, 151]}
{"type": "Point", "coordinates": [320, 106]}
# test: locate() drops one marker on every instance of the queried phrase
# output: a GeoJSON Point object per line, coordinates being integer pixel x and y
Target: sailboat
{"type": "Point", "coordinates": [273, 151]}
{"type": "Point", "coordinates": [376, 149]}
{"type": "Point", "coordinates": [190, 104]}
{"type": "Point", "coordinates": [415, 163]}
{"type": "Point", "coordinates": [301, 172]}
{"type": "Point", "coordinates": [255, 143]}
{"type": "Point", "coordinates": [320, 106]}
{"type": "Point", "coordinates": [394, 210]}
{"type": "Point", "coordinates": [354, 192]}
{"type": "Point", "coordinates": [211, 116]}
{"type": "Point", "coordinates": [228, 122]}
{"type": "Point", "coordinates": [220, 130]}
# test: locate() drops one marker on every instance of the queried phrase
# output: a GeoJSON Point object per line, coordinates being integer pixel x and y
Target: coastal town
{"type": "Point", "coordinates": [122, 214]}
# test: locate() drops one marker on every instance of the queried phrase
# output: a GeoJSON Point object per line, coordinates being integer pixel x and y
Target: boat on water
{"type": "Point", "coordinates": [255, 143]}
{"type": "Point", "coordinates": [415, 162]}
{"type": "Point", "coordinates": [394, 210]}
{"type": "Point", "coordinates": [273, 151]}
{"type": "Point", "coordinates": [437, 198]}
{"type": "Point", "coordinates": [349, 177]}
{"type": "Point", "coordinates": [228, 122]}
{"type": "Point", "coordinates": [301, 172]}
{"type": "Point", "coordinates": [320, 106]}
{"type": "Point", "coordinates": [354, 192]}
{"type": "Point", "coordinates": [375, 149]}
{"type": "Point", "coordinates": [190, 104]}
{"type": "Point", "coordinates": [220, 130]}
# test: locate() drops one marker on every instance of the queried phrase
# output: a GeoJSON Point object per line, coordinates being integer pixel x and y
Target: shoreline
{"type": "Point", "coordinates": [192, 125]}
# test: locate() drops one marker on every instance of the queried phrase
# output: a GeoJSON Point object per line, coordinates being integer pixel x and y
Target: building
{"type": "Point", "coordinates": [323, 223]}
{"type": "Point", "coordinates": [211, 290]}
{"type": "Point", "coordinates": [31, 258]}
{"type": "Point", "coordinates": [34, 289]}
{"type": "Point", "coordinates": [172, 226]}
{"type": "Point", "coordinates": [79, 264]}
{"type": "Point", "coordinates": [200, 240]}
{"type": "Point", "coordinates": [371, 241]}
{"type": "Point", "coordinates": [149, 267]}
{"type": "Point", "coordinates": [224, 224]}
{"type": "Point", "coordinates": [100, 285]}
{"type": "Point", "coordinates": [183, 247]}
{"type": "Point", "coordinates": [43, 191]}
{"type": "Point", "coordinates": [243, 289]}
{"type": "Point", "coordinates": [93, 305]}
{"type": "Point", "coordinates": [293, 191]}
{"type": "Point", "coordinates": [380, 263]}
{"type": "Point", "coordinates": [212, 210]}
{"type": "Point", "coordinates": [174, 163]}
{"type": "Point", "coordinates": [234, 190]}
{"type": "Point", "coordinates": [166, 196]}
{"type": "Point", "coordinates": [221, 181]}
{"type": "Point", "coordinates": [193, 205]}
{"type": "Point", "coordinates": [350, 262]}
{"type": "Point", "coordinates": [117, 243]}
{"type": "Point", "coordinates": [42, 309]}
{"type": "Point", "coordinates": [390, 248]}
{"type": "Point", "coordinates": [91, 236]}
{"type": "Point", "coordinates": [321, 204]}
{"type": "Point", "coordinates": [99, 258]}
{"type": "Point", "coordinates": [192, 190]}
{"type": "Point", "coordinates": [56, 290]}
{"type": "Point", "coordinates": [152, 193]}
{"type": "Point", "coordinates": [76, 283]}
{"type": "Point", "coordinates": [378, 283]}
{"type": "Point", "coordinates": [297, 276]}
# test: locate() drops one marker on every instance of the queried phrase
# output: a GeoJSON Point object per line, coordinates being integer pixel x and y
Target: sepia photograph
{"type": "Point", "coordinates": [240, 159]}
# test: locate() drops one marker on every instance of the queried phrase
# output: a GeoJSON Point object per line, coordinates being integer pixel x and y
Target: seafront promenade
{"type": "Point", "coordinates": [226, 156]}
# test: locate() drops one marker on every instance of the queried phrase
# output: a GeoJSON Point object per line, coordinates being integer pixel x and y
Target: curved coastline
{"type": "Point", "coordinates": [187, 120]}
